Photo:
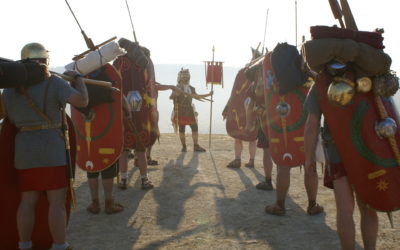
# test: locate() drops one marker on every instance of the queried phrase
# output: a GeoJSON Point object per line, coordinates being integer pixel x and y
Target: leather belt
{"type": "Point", "coordinates": [39, 127]}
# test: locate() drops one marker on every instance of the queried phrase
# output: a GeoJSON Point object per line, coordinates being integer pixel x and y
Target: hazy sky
{"type": "Point", "coordinates": [181, 31]}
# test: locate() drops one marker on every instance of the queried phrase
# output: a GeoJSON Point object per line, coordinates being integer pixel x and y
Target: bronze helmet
{"type": "Point", "coordinates": [34, 51]}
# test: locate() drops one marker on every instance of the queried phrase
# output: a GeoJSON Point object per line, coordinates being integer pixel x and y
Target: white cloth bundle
{"type": "Point", "coordinates": [96, 59]}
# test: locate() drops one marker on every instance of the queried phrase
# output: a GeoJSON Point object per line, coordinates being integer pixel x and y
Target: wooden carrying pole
{"type": "Point", "coordinates": [81, 55]}
{"type": "Point", "coordinates": [85, 80]}
{"type": "Point", "coordinates": [70, 79]}
{"type": "Point", "coordinates": [348, 15]}
{"type": "Point", "coordinates": [337, 11]}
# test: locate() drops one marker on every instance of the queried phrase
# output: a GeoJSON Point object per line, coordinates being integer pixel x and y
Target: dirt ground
{"type": "Point", "coordinates": [198, 203]}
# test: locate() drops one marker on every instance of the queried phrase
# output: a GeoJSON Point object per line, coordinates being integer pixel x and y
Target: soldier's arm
{"type": "Point", "coordinates": [126, 108]}
{"type": "Point", "coordinates": [162, 87]}
{"type": "Point", "coordinates": [311, 131]}
{"type": "Point", "coordinates": [204, 95]}
{"type": "Point", "coordinates": [125, 105]}
{"type": "Point", "coordinates": [81, 98]}
{"type": "Point", "coordinates": [175, 92]}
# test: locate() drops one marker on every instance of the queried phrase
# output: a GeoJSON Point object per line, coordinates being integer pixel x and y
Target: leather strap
{"type": "Point", "coordinates": [35, 108]}
{"type": "Point", "coordinates": [39, 127]}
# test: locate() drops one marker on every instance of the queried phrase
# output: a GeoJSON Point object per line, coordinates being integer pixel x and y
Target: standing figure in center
{"type": "Point", "coordinates": [184, 112]}
{"type": "Point", "coordinates": [141, 116]}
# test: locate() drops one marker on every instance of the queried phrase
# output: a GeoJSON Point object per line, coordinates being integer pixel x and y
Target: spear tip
{"type": "Point", "coordinates": [389, 214]}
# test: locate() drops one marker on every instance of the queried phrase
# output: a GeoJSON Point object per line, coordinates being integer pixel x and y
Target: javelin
{"type": "Point", "coordinates": [265, 32]}
{"type": "Point", "coordinates": [130, 17]}
{"type": "Point", "coordinates": [89, 42]}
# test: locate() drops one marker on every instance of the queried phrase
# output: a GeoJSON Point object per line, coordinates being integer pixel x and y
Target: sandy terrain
{"type": "Point", "coordinates": [198, 203]}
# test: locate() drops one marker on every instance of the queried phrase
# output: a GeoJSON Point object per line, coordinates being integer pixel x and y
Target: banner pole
{"type": "Point", "coordinates": [211, 103]}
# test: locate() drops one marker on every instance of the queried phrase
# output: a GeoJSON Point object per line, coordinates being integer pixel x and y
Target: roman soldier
{"type": "Point", "coordinates": [284, 86]}
{"type": "Point", "coordinates": [360, 132]}
{"type": "Point", "coordinates": [37, 162]}
{"type": "Point", "coordinates": [184, 112]}
{"type": "Point", "coordinates": [100, 137]}
{"type": "Point", "coordinates": [241, 125]}
{"type": "Point", "coordinates": [141, 115]}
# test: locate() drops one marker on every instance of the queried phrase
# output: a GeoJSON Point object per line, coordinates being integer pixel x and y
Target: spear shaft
{"type": "Point", "coordinates": [295, 14]}
{"type": "Point", "coordinates": [130, 17]}
{"type": "Point", "coordinates": [89, 42]}
{"type": "Point", "coordinates": [265, 32]}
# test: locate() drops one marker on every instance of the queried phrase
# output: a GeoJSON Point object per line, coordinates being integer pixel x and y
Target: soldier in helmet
{"type": "Point", "coordinates": [40, 151]}
{"type": "Point", "coordinates": [341, 90]}
{"type": "Point", "coordinates": [140, 121]}
{"type": "Point", "coordinates": [184, 112]}
{"type": "Point", "coordinates": [336, 178]}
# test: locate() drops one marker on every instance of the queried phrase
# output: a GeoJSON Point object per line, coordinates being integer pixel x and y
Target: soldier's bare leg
{"type": "Point", "coordinates": [238, 147]}
{"type": "Point", "coordinates": [94, 188]}
{"type": "Point", "coordinates": [57, 214]}
{"type": "Point", "coordinates": [94, 206]}
{"type": "Point", "coordinates": [123, 162]}
{"type": "Point", "coordinates": [282, 184]}
{"type": "Point", "coordinates": [267, 163]}
{"type": "Point", "coordinates": [196, 146]}
{"type": "Point", "coordinates": [26, 215]}
{"type": "Point", "coordinates": [141, 157]}
{"type": "Point", "coordinates": [110, 206]}
{"type": "Point", "coordinates": [183, 141]}
{"type": "Point", "coordinates": [369, 225]}
{"type": "Point", "coordinates": [195, 137]}
{"type": "Point", "coordinates": [344, 212]}
{"type": "Point", "coordinates": [252, 154]}
{"type": "Point", "coordinates": [123, 169]}
{"type": "Point", "coordinates": [142, 162]}
{"type": "Point", "coordinates": [150, 160]}
{"type": "Point", "coordinates": [252, 149]}
{"type": "Point", "coordinates": [311, 184]}
{"type": "Point", "coordinates": [108, 188]}
{"type": "Point", "coordinates": [282, 187]}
